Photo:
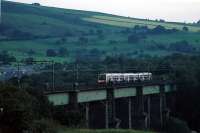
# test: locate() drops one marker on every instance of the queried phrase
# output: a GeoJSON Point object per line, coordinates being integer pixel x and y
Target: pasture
{"type": "Point", "coordinates": [45, 27]}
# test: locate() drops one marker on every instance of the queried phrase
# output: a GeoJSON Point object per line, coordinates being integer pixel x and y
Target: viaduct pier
{"type": "Point", "coordinates": [141, 105]}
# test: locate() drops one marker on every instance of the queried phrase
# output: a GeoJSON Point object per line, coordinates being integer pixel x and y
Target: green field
{"type": "Point", "coordinates": [130, 22]}
{"type": "Point", "coordinates": [104, 32]}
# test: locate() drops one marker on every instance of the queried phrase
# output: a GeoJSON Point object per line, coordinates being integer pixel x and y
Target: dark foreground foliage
{"type": "Point", "coordinates": [175, 125]}
{"type": "Point", "coordinates": [22, 110]}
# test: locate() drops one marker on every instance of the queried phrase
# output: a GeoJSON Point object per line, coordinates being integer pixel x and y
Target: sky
{"type": "Point", "coordinates": [169, 10]}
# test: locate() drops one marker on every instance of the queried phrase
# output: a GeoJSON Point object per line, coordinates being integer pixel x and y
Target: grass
{"type": "Point", "coordinates": [55, 22]}
{"type": "Point", "coordinates": [20, 48]}
{"type": "Point", "coordinates": [131, 22]}
{"type": "Point", "coordinates": [192, 38]}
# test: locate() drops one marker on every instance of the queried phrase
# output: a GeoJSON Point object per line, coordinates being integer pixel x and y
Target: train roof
{"type": "Point", "coordinates": [125, 73]}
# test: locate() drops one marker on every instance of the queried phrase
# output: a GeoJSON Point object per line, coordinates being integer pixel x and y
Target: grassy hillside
{"type": "Point", "coordinates": [131, 22]}
{"type": "Point", "coordinates": [26, 28]}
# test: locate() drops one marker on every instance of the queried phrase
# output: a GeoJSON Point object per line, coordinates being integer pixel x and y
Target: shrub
{"type": "Point", "coordinates": [185, 29]}
{"type": "Point", "coordinates": [83, 40]}
{"type": "Point", "coordinates": [133, 38]}
{"type": "Point", "coordinates": [36, 4]}
{"type": "Point", "coordinates": [51, 53]}
{"type": "Point", "coordinates": [43, 126]}
{"type": "Point", "coordinates": [62, 52]}
{"type": "Point", "coordinates": [5, 58]}
{"type": "Point", "coordinates": [181, 46]}
{"type": "Point", "coordinates": [31, 52]}
{"type": "Point", "coordinates": [175, 125]}
{"type": "Point", "coordinates": [18, 108]}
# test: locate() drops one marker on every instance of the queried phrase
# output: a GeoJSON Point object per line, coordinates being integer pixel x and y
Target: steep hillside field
{"type": "Point", "coordinates": [89, 35]}
{"type": "Point", "coordinates": [131, 22]}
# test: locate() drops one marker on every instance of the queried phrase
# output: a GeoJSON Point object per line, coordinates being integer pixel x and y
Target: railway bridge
{"type": "Point", "coordinates": [139, 105]}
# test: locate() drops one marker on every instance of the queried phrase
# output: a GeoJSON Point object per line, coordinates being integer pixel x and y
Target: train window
{"type": "Point", "coordinates": [146, 77]}
{"type": "Point", "coordinates": [126, 78]}
{"type": "Point", "coordinates": [137, 77]}
{"type": "Point", "coordinates": [102, 77]}
{"type": "Point", "coordinates": [131, 77]}
{"type": "Point", "coordinates": [115, 78]}
{"type": "Point", "coordinates": [121, 77]}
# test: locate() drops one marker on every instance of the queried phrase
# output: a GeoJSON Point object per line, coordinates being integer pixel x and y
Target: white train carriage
{"type": "Point", "coordinates": [124, 77]}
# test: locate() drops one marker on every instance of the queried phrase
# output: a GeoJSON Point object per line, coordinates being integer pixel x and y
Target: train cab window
{"type": "Point", "coordinates": [108, 78]}
{"type": "Point", "coordinates": [102, 77]}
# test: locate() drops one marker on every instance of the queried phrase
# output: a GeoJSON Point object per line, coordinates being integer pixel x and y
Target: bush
{"type": "Point", "coordinates": [175, 125]}
{"type": "Point", "coordinates": [18, 108]}
{"type": "Point", "coordinates": [159, 30]}
{"type": "Point", "coordinates": [68, 118]}
{"type": "Point", "coordinates": [36, 4]}
{"type": "Point", "coordinates": [83, 40]}
{"type": "Point", "coordinates": [133, 38]}
{"type": "Point", "coordinates": [62, 52]}
{"type": "Point", "coordinates": [51, 53]}
{"type": "Point", "coordinates": [29, 60]}
{"type": "Point", "coordinates": [185, 29]}
{"type": "Point", "coordinates": [31, 52]}
{"type": "Point", "coordinates": [182, 46]}
{"type": "Point", "coordinates": [5, 58]}
{"type": "Point", "coordinates": [43, 126]}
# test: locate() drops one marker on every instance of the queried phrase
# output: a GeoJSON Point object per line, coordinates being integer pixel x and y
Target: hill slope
{"type": "Point", "coordinates": [26, 28]}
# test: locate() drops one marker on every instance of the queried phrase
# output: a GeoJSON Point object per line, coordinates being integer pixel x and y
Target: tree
{"type": "Point", "coordinates": [29, 61]}
{"type": "Point", "coordinates": [94, 55]}
{"type": "Point", "coordinates": [162, 20]}
{"type": "Point", "coordinates": [133, 38]}
{"type": "Point", "coordinates": [61, 40]}
{"type": "Point", "coordinates": [113, 42]}
{"type": "Point", "coordinates": [23, 110]}
{"type": "Point", "coordinates": [198, 22]}
{"type": "Point", "coordinates": [140, 29]}
{"type": "Point", "coordinates": [21, 35]}
{"type": "Point", "coordinates": [181, 46]}
{"type": "Point", "coordinates": [31, 52]}
{"type": "Point", "coordinates": [91, 32]}
{"type": "Point", "coordinates": [83, 40]}
{"type": "Point", "coordinates": [99, 32]}
{"type": "Point", "coordinates": [3, 28]}
{"type": "Point", "coordinates": [36, 4]}
{"type": "Point", "coordinates": [186, 29]}
{"type": "Point", "coordinates": [51, 53]}
{"type": "Point", "coordinates": [62, 52]}
{"type": "Point", "coordinates": [17, 109]}
{"type": "Point", "coordinates": [159, 30]}
{"type": "Point", "coordinates": [5, 58]}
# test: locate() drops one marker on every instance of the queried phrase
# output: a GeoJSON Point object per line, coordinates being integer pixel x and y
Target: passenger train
{"type": "Point", "coordinates": [123, 77]}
